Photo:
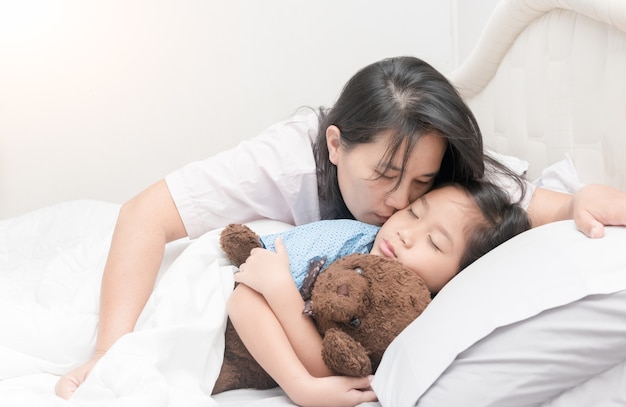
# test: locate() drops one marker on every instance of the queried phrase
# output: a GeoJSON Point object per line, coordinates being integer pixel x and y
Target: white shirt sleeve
{"type": "Point", "coordinates": [271, 176]}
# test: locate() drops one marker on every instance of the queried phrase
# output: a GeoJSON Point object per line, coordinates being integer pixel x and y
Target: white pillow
{"type": "Point", "coordinates": [541, 269]}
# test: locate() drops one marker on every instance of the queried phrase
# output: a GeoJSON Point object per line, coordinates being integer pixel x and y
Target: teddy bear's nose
{"type": "Point", "coordinates": [343, 290]}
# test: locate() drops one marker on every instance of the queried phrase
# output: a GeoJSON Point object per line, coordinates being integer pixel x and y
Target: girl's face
{"type": "Point", "coordinates": [429, 236]}
{"type": "Point", "coordinates": [367, 189]}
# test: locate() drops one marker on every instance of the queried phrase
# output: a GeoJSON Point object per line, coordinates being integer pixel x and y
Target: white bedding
{"type": "Point", "coordinates": [51, 262]}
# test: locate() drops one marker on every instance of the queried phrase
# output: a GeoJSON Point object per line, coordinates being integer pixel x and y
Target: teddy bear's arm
{"type": "Point", "coordinates": [237, 240]}
{"type": "Point", "coordinates": [345, 356]}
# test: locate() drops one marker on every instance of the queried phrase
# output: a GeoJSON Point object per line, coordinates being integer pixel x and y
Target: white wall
{"type": "Point", "coordinates": [468, 20]}
{"type": "Point", "coordinates": [98, 99]}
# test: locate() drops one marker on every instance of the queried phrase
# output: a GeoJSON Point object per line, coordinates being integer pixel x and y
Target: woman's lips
{"type": "Point", "coordinates": [382, 219]}
{"type": "Point", "coordinates": [387, 249]}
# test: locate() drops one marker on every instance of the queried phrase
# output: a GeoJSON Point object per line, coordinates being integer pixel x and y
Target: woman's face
{"type": "Point", "coordinates": [429, 236]}
{"type": "Point", "coordinates": [368, 188]}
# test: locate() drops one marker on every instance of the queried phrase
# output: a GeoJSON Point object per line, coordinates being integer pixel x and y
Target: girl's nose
{"type": "Point", "coordinates": [406, 237]}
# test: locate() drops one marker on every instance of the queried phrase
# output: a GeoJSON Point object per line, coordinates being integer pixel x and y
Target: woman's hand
{"type": "Point", "coordinates": [592, 207]}
{"type": "Point", "coordinates": [266, 271]}
{"type": "Point", "coordinates": [596, 206]}
{"type": "Point", "coordinates": [69, 383]}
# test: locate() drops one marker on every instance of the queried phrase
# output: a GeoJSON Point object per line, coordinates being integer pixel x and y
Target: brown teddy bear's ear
{"type": "Point", "coordinates": [237, 241]}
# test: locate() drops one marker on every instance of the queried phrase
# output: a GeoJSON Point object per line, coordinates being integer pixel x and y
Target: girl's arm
{"type": "Point", "coordinates": [267, 273]}
{"type": "Point", "coordinates": [266, 341]}
{"type": "Point", "coordinates": [592, 208]}
{"type": "Point", "coordinates": [145, 224]}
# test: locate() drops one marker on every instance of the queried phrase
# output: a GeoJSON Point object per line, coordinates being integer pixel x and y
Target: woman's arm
{"type": "Point", "coordinates": [145, 224]}
{"type": "Point", "coordinates": [548, 206]}
{"type": "Point", "coordinates": [592, 208]}
{"type": "Point", "coordinates": [266, 341]}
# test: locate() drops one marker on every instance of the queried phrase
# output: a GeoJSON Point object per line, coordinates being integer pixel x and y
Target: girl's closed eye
{"type": "Point", "coordinates": [433, 243]}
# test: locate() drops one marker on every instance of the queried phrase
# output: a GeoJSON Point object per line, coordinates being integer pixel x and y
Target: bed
{"type": "Point", "coordinates": [538, 321]}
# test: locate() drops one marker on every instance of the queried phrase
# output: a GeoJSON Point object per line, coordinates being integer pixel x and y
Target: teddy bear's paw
{"type": "Point", "coordinates": [237, 241]}
{"type": "Point", "coordinates": [345, 356]}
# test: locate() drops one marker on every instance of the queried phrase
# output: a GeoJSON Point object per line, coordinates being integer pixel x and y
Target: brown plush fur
{"type": "Point", "coordinates": [360, 303]}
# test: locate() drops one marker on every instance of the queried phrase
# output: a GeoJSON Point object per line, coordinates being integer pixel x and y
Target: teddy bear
{"type": "Point", "coordinates": [359, 304]}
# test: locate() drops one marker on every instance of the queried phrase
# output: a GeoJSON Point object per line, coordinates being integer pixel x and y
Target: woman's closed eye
{"type": "Point", "coordinates": [424, 181]}
{"type": "Point", "coordinates": [386, 175]}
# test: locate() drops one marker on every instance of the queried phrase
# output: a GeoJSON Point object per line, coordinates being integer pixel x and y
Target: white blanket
{"type": "Point", "coordinates": [51, 263]}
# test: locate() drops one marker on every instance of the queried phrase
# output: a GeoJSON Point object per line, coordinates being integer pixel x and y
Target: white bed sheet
{"type": "Point", "coordinates": [51, 263]}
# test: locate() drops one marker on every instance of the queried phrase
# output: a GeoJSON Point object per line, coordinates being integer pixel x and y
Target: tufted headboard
{"type": "Point", "coordinates": [548, 77]}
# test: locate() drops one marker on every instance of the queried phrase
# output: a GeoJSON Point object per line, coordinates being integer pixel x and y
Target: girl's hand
{"type": "Point", "coordinates": [266, 271]}
{"type": "Point", "coordinates": [596, 206]}
{"type": "Point", "coordinates": [331, 391]}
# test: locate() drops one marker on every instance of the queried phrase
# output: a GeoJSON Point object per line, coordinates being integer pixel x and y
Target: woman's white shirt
{"type": "Point", "coordinates": [272, 176]}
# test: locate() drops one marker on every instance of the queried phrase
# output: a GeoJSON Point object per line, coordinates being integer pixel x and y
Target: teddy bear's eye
{"type": "Point", "coordinates": [359, 270]}
{"type": "Point", "coordinates": [355, 322]}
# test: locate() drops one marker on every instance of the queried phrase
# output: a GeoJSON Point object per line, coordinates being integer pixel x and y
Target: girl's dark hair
{"type": "Point", "coordinates": [408, 97]}
{"type": "Point", "coordinates": [500, 220]}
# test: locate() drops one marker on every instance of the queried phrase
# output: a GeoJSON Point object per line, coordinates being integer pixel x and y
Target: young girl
{"type": "Point", "coordinates": [484, 214]}
{"type": "Point", "coordinates": [436, 236]}
{"type": "Point", "coordinates": [397, 127]}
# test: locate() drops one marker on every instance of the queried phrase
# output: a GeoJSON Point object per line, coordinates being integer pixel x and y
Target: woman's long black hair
{"type": "Point", "coordinates": [408, 97]}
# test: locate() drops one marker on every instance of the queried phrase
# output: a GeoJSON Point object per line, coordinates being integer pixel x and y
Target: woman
{"type": "Point", "coordinates": [397, 128]}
